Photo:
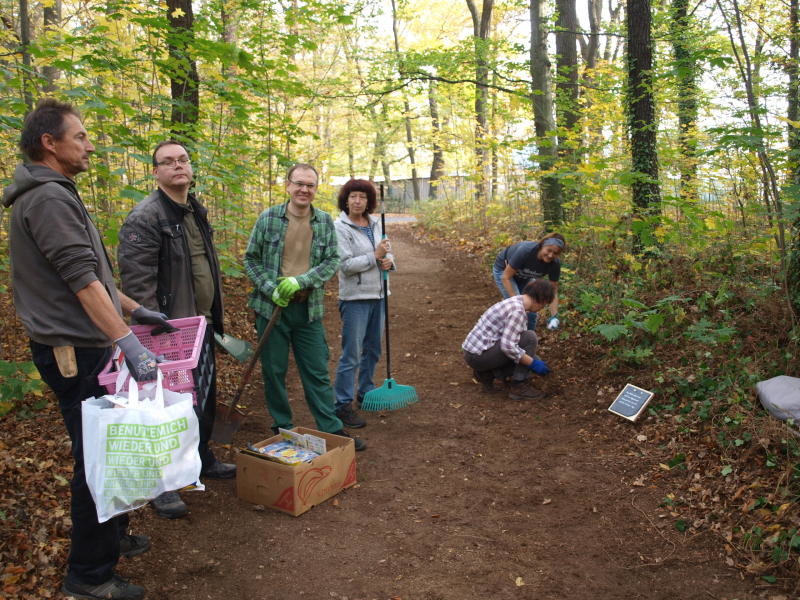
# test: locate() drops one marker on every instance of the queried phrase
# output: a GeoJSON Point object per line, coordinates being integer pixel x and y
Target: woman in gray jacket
{"type": "Point", "coordinates": [364, 254]}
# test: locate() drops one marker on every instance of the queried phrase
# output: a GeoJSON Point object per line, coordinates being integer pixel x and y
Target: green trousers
{"type": "Point", "coordinates": [311, 354]}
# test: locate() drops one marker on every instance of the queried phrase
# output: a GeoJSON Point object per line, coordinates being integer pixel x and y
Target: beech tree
{"type": "Point", "coordinates": [544, 118]}
{"type": "Point", "coordinates": [182, 70]}
{"type": "Point", "coordinates": [640, 105]}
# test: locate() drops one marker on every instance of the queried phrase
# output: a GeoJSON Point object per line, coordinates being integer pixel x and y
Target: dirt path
{"type": "Point", "coordinates": [461, 496]}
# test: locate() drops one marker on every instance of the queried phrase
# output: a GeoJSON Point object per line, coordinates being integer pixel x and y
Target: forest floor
{"type": "Point", "coordinates": [464, 495]}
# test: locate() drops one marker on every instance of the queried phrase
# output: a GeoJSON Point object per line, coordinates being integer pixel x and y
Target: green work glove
{"type": "Point", "coordinates": [279, 300]}
{"type": "Point", "coordinates": [287, 287]}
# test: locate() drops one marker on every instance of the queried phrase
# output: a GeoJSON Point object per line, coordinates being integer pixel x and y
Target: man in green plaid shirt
{"type": "Point", "coordinates": [291, 254]}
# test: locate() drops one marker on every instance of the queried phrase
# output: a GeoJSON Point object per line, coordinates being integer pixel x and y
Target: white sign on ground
{"type": "Point", "coordinates": [631, 402]}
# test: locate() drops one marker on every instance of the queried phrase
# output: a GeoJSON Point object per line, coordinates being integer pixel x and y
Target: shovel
{"type": "Point", "coordinates": [239, 349]}
{"type": "Point", "coordinates": [229, 417]}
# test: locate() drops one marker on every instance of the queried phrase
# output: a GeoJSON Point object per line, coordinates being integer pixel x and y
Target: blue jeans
{"type": "Point", "coordinates": [362, 326]}
{"type": "Point", "coordinates": [518, 285]}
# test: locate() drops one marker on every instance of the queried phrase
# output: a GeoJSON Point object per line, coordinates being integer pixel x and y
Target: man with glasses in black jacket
{"type": "Point", "coordinates": [168, 263]}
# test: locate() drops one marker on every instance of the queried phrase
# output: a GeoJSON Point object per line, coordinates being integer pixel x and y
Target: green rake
{"type": "Point", "coordinates": [391, 395]}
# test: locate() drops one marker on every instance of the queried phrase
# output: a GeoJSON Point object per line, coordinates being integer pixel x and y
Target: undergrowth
{"type": "Point", "coordinates": [699, 325]}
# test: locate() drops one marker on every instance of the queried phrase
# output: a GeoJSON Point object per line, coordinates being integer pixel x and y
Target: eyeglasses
{"type": "Point", "coordinates": [172, 162]}
{"type": "Point", "coordinates": [308, 186]}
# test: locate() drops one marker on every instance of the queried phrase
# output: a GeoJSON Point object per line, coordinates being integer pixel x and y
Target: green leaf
{"type": "Point", "coordinates": [610, 332]}
{"type": "Point", "coordinates": [726, 470]}
{"type": "Point", "coordinates": [676, 460]}
{"type": "Point", "coordinates": [681, 525]}
{"type": "Point", "coordinates": [654, 322]}
{"type": "Point", "coordinates": [633, 303]}
{"type": "Point", "coordinates": [132, 193]}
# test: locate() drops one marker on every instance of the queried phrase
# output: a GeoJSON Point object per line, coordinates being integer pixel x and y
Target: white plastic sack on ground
{"type": "Point", "coordinates": [139, 446]}
{"type": "Point", "coordinates": [781, 396]}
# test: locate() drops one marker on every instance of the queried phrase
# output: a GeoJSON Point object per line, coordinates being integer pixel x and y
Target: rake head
{"type": "Point", "coordinates": [390, 396]}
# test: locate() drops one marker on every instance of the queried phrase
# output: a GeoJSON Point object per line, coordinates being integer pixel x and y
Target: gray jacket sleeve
{"type": "Point", "coordinates": [354, 259]}
{"type": "Point", "coordinates": [67, 245]}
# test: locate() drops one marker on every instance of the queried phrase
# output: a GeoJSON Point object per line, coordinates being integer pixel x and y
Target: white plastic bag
{"type": "Point", "coordinates": [138, 446]}
{"type": "Point", "coordinates": [781, 396]}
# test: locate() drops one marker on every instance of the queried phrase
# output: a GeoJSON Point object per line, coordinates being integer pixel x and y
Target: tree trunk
{"type": "Point", "coordinates": [437, 161]}
{"type": "Point", "coordinates": [686, 69]}
{"type": "Point", "coordinates": [591, 47]}
{"type": "Point", "coordinates": [25, 43]}
{"type": "Point", "coordinates": [407, 109]}
{"type": "Point", "coordinates": [567, 65]}
{"type": "Point", "coordinates": [567, 107]}
{"type": "Point", "coordinates": [182, 70]}
{"type": "Point", "coordinates": [612, 44]}
{"type": "Point", "coordinates": [747, 72]}
{"type": "Point", "coordinates": [793, 101]}
{"type": "Point", "coordinates": [793, 114]}
{"type": "Point", "coordinates": [481, 24]}
{"type": "Point", "coordinates": [544, 123]}
{"type": "Point", "coordinates": [640, 105]}
{"type": "Point", "coordinates": [52, 21]}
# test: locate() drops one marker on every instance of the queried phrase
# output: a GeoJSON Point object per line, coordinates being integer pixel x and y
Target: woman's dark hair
{"type": "Point", "coordinates": [358, 185]}
{"type": "Point", "coordinates": [47, 117]}
{"type": "Point", "coordinates": [557, 236]}
{"type": "Point", "coordinates": [541, 290]}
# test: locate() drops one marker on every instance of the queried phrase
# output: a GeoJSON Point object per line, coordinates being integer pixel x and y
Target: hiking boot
{"type": "Point", "coordinates": [360, 444]}
{"type": "Point", "coordinates": [169, 505]}
{"type": "Point", "coordinates": [115, 588]}
{"type": "Point", "coordinates": [133, 545]}
{"type": "Point", "coordinates": [520, 390]}
{"type": "Point", "coordinates": [486, 379]}
{"type": "Point", "coordinates": [350, 417]}
{"type": "Point", "coordinates": [219, 470]}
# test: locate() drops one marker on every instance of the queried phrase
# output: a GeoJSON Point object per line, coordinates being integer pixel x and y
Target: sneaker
{"type": "Point", "coordinates": [115, 588]}
{"type": "Point", "coordinates": [219, 470]}
{"type": "Point", "coordinates": [486, 379]}
{"type": "Point", "coordinates": [350, 417]}
{"type": "Point", "coordinates": [360, 444]}
{"type": "Point", "coordinates": [522, 391]}
{"type": "Point", "coordinates": [169, 505]}
{"type": "Point", "coordinates": [133, 545]}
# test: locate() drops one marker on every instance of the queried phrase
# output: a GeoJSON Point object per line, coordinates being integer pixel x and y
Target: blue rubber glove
{"type": "Point", "coordinates": [287, 287]}
{"type": "Point", "coordinates": [539, 367]}
{"type": "Point", "coordinates": [279, 300]}
{"type": "Point", "coordinates": [553, 322]}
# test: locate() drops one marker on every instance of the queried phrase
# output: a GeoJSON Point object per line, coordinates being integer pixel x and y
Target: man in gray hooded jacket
{"type": "Point", "coordinates": [66, 298]}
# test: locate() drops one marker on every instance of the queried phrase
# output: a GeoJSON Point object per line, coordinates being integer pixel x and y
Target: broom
{"type": "Point", "coordinates": [391, 395]}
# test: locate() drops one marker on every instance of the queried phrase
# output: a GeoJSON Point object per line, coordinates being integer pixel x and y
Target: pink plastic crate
{"type": "Point", "coordinates": [181, 349]}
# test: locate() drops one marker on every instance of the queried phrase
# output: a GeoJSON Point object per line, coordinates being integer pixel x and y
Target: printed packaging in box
{"type": "Point", "coordinates": [296, 488]}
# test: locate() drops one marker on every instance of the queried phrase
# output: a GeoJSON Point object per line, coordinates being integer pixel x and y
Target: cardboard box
{"type": "Point", "coordinates": [296, 489]}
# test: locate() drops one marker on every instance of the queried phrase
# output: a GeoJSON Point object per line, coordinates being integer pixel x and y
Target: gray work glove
{"type": "Point", "coordinates": [141, 362]}
{"type": "Point", "coordinates": [150, 317]}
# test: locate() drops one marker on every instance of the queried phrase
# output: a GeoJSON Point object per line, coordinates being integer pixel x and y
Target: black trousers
{"type": "Point", "coordinates": [94, 549]}
{"type": "Point", "coordinates": [205, 376]}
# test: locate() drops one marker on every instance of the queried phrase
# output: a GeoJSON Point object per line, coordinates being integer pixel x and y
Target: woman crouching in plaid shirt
{"type": "Point", "coordinates": [501, 345]}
